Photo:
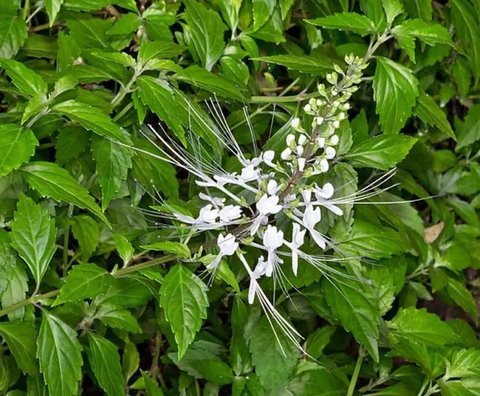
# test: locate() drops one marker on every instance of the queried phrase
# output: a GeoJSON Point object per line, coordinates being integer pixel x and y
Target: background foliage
{"type": "Point", "coordinates": [96, 298]}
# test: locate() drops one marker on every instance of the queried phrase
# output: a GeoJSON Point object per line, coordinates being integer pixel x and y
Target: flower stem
{"type": "Point", "coordinates": [356, 372]}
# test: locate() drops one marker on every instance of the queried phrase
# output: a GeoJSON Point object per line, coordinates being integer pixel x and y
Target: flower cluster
{"type": "Point", "coordinates": [274, 201]}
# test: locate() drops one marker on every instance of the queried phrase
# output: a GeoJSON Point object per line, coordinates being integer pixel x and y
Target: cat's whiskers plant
{"type": "Point", "coordinates": [274, 201]}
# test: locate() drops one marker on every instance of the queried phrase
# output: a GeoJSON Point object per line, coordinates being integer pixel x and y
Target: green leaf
{"type": "Point", "coordinates": [184, 301]}
{"type": "Point", "coordinates": [419, 9]}
{"type": "Point", "coordinates": [202, 361]}
{"type": "Point", "coordinates": [211, 82]}
{"type": "Point", "coordinates": [92, 119]}
{"type": "Point", "coordinates": [52, 7]}
{"type": "Point", "coordinates": [84, 281]}
{"type": "Point", "coordinates": [431, 113]}
{"type": "Point", "coordinates": [318, 340]}
{"type": "Point", "coordinates": [55, 182]}
{"type": "Point", "coordinates": [87, 232]}
{"type": "Point", "coordinates": [112, 164]}
{"type": "Point", "coordinates": [470, 132]}
{"type": "Point", "coordinates": [20, 338]}
{"type": "Point", "coordinates": [464, 363]}
{"type": "Point", "coordinates": [468, 30]}
{"type": "Point", "coordinates": [205, 33]}
{"type": "Point", "coordinates": [417, 325]}
{"type": "Point", "coordinates": [262, 11]}
{"type": "Point", "coordinates": [349, 21]}
{"type": "Point", "coordinates": [357, 311]}
{"type": "Point", "coordinates": [157, 50]}
{"type": "Point", "coordinates": [462, 296]}
{"type": "Point", "coordinates": [117, 318]}
{"type": "Point", "coordinates": [162, 100]}
{"type": "Point", "coordinates": [105, 361]}
{"type": "Point", "coordinates": [13, 33]}
{"type": "Point", "coordinates": [273, 354]}
{"type": "Point", "coordinates": [33, 236]}
{"type": "Point", "coordinates": [312, 379]}
{"type": "Point", "coordinates": [14, 285]}
{"type": "Point", "coordinates": [124, 247]}
{"type": "Point", "coordinates": [59, 354]}
{"type": "Point", "coordinates": [170, 247]}
{"type": "Point", "coordinates": [381, 152]}
{"type": "Point", "coordinates": [395, 92]}
{"type": "Point", "coordinates": [130, 360]}
{"type": "Point", "coordinates": [428, 32]}
{"type": "Point", "coordinates": [392, 8]}
{"type": "Point", "coordinates": [26, 80]}
{"type": "Point", "coordinates": [18, 145]}
{"type": "Point", "coordinates": [311, 64]}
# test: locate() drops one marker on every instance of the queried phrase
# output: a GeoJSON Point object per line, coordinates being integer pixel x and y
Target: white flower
{"type": "Point", "coordinates": [324, 165]}
{"type": "Point", "coordinates": [311, 217]}
{"type": "Point", "coordinates": [301, 164]}
{"type": "Point", "coordinates": [326, 192]}
{"type": "Point", "coordinates": [272, 240]}
{"type": "Point", "coordinates": [228, 247]}
{"type": "Point", "coordinates": [298, 238]}
{"type": "Point", "coordinates": [249, 173]}
{"type": "Point", "coordinates": [229, 213]}
{"type": "Point", "coordinates": [265, 206]}
{"type": "Point", "coordinates": [295, 123]}
{"type": "Point", "coordinates": [334, 140]}
{"type": "Point", "coordinates": [302, 139]}
{"type": "Point", "coordinates": [268, 205]}
{"type": "Point", "coordinates": [207, 214]}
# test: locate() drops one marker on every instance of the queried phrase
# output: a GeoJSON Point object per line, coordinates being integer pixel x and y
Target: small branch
{"type": "Point", "coordinates": [356, 372]}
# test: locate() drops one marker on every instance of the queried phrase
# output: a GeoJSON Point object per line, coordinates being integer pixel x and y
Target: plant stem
{"type": "Point", "coordinates": [119, 273]}
{"type": "Point", "coordinates": [356, 372]}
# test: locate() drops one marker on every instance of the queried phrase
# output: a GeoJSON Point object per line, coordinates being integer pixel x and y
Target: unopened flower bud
{"type": "Point", "coordinates": [330, 152]}
{"type": "Point", "coordinates": [319, 120]}
{"type": "Point", "coordinates": [334, 140]}
{"type": "Point", "coordinates": [295, 123]}
{"type": "Point", "coordinates": [336, 124]}
{"type": "Point", "coordinates": [301, 164]}
{"type": "Point", "coordinates": [290, 139]}
{"type": "Point", "coordinates": [302, 140]}
{"type": "Point", "coordinates": [285, 154]}
{"type": "Point", "coordinates": [299, 150]}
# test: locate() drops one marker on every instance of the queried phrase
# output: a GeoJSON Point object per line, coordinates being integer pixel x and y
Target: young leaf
{"type": "Point", "coordinates": [464, 363]}
{"type": "Point", "coordinates": [124, 247]}
{"type": "Point", "coordinates": [59, 354]}
{"type": "Point", "coordinates": [33, 236]}
{"type": "Point", "coordinates": [357, 311]}
{"type": "Point", "coordinates": [18, 145]}
{"type": "Point", "coordinates": [431, 113]}
{"type": "Point", "coordinates": [349, 21]}
{"type": "Point", "coordinates": [184, 301]}
{"type": "Point", "coordinates": [105, 361]}
{"type": "Point", "coordinates": [52, 7]}
{"type": "Point", "coordinates": [20, 338]}
{"type": "Point", "coordinates": [130, 360]}
{"type": "Point", "coordinates": [417, 325]}
{"type": "Point", "coordinates": [55, 182]}
{"type": "Point", "coordinates": [381, 152]}
{"type": "Point", "coordinates": [13, 33]}
{"type": "Point", "coordinates": [26, 80]}
{"type": "Point", "coordinates": [15, 287]}
{"type": "Point", "coordinates": [392, 8]}
{"type": "Point", "coordinates": [92, 119]}
{"type": "Point", "coordinates": [395, 92]}
{"type": "Point", "coordinates": [112, 164]}
{"type": "Point", "coordinates": [205, 29]}
{"type": "Point", "coordinates": [84, 281]}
